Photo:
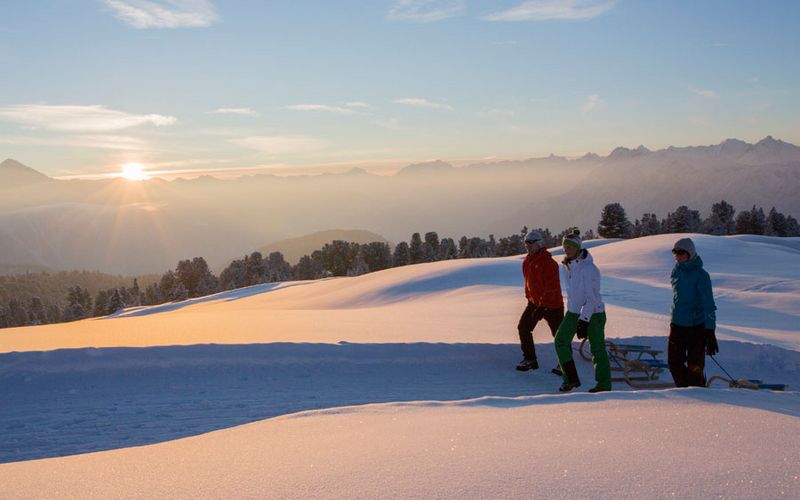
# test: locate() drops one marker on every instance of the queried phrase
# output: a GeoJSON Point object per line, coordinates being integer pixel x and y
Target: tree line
{"type": "Point", "coordinates": [722, 220]}
{"type": "Point", "coordinates": [22, 306]}
{"type": "Point", "coordinates": [193, 277]}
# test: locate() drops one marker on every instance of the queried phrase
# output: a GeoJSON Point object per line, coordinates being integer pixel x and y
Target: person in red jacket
{"type": "Point", "coordinates": [543, 291]}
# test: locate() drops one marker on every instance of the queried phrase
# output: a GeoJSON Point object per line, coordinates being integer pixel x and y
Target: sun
{"type": "Point", "coordinates": [133, 172]}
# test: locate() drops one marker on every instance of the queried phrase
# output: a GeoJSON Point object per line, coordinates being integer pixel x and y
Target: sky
{"type": "Point", "coordinates": [228, 87]}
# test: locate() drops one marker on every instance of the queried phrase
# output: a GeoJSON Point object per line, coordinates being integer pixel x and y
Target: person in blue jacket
{"type": "Point", "coordinates": [693, 320]}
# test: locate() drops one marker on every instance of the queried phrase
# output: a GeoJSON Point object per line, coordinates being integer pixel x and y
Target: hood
{"type": "Point", "coordinates": [691, 264]}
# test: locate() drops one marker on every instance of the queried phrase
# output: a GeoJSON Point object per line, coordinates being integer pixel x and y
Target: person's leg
{"type": "Point", "coordinates": [554, 318]}
{"type": "Point", "coordinates": [696, 359]}
{"type": "Point", "coordinates": [676, 355]}
{"type": "Point", "coordinates": [563, 343]}
{"type": "Point", "coordinates": [597, 344]}
{"type": "Point", "coordinates": [525, 328]}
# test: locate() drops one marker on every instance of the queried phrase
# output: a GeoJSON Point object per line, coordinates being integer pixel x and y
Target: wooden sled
{"type": "Point", "coordinates": [641, 368]}
{"type": "Point", "coordinates": [638, 365]}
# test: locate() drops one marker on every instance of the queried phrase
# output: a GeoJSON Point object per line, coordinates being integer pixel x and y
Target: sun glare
{"type": "Point", "coordinates": [133, 172]}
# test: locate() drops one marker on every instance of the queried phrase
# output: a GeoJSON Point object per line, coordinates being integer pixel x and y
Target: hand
{"type": "Point", "coordinates": [711, 342]}
{"type": "Point", "coordinates": [583, 329]}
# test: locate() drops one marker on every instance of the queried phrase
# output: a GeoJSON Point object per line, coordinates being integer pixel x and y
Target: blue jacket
{"type": "Point", "coordinates": [692, 298]}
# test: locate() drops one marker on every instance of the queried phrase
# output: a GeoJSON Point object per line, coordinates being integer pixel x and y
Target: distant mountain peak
{"type": "Point", "coordinates": [771, 142]}
{"type": "Point", "coordinates": [15, 174]}
{"type": "Point", "coordinates": [428, 167]}
{"type": "Point", "coordinates": [623, 152]}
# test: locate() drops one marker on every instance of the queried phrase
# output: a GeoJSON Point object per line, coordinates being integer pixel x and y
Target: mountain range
{"type": "Point", "coordinates": [120, 226]}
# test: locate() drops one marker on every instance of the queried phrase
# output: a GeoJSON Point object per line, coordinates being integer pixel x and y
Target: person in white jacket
{"type": "Point", "coordinates": [585, 316]}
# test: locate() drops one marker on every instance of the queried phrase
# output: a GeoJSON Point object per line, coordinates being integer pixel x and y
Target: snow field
{"type": "Point", "coordinates": [426, 353]}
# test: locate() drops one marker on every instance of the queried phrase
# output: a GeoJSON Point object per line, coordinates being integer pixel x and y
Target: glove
{"type": "Point", "coordinates": [583, 329]}
{"type": "Point", "coordinates": [711, 342]}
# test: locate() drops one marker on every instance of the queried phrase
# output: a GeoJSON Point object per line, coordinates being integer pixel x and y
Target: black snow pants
{"type": "Point", "coordinates": [687, 355]}
{"type": "Point", "coordinates": [527, 322]}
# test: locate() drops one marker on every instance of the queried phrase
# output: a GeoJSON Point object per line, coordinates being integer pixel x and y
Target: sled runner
{"type": "Point", "coordinates": [638, 364]}
{"type": "Point", "coordinates": [747, 384]}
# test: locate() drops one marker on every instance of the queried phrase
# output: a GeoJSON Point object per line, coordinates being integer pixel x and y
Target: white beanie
{"type": "Point", "coordinates": [533, 236]}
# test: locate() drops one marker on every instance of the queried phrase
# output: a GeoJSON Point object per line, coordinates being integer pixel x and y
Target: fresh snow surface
{"type": "Point", "coordinates": [427, 351]}
{"type": "Point", "coordinates": [662, 444]}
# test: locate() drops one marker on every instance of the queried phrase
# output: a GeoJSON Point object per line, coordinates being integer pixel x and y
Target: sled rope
{"type": "Point", "coordinates": [732, 382]}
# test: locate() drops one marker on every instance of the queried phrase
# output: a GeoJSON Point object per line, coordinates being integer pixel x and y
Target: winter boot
{"type": "Point", "coordinates": [572, 377]}
{"type": "Point", "coordinates": [527, 364]}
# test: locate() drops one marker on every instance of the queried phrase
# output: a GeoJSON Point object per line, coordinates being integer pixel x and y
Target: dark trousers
{"type": "Point", "coordinates": [530, 317]}
{"type": "Point", "coordinates": [687, 355]}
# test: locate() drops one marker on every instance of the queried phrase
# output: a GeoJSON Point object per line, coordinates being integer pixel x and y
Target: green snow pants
{"type": "Point", "coordinates": [597, 343]}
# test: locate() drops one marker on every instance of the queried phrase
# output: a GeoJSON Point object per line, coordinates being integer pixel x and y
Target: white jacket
{"type": "Point", "coordinates": [582, 279]}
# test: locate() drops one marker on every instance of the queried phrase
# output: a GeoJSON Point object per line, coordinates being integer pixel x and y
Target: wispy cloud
{"type": "Point", "coordinates": [281, 144]}
{"type": "Point", "coordinates": [425, 11]}
{"type": "Point", "coordinates": [235, 111]}
{"type": "Point", "coordinates": [592, 103]}
{"type": "Point", "coordinates": [702, 92]}
{"type": "Point", "coordinates": [419, 102]}
{"type": "Point", "coordinates": [68, 118]}
{"type": "Point", "coordinates": [358, 104]}
{"type": "Point", "coordinates": [143, 14]}
{"type": "Point", "coordinates": [321, 107]}
{"type": "Point", "coordinates": [542, 10]}
{"type": "Point", "coordinates": [113, 142]}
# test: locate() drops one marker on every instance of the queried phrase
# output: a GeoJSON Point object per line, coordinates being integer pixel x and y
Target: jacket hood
{"type": "Point", "coordinates": [583, 257]}
{"type": "Point", "coordinates": [691, 264]}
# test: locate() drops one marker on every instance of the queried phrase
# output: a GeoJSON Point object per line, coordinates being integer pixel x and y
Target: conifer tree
{"type": "Point", "coordinates": [614, 222]}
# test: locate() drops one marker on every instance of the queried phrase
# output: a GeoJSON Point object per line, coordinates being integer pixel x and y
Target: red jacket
{"type": "Point", "coordinates": [542, 284]}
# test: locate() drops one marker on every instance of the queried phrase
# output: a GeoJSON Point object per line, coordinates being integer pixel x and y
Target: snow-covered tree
{"type": "Point", "coordinates": [100, 303]}
{"type": "Point", "coordinates": [792, 227]}
{"type": "Point", "coordinates": [377, 255]}
{"type": "Point", "coordinates": [614, 222]}
{"type": "Point", "coordinates": [359, 266]}
{"type": "Point", "coordinates": [751, 222]}
{"type": "Point", "coordinates": [432, 239]}
{"type": "Point", "coordinates": [722, 220]}
{"type": "Point", "coordinates": [648, 226]}
{"type": "Point", "coordinates": [775, 224]}
{"type": "Point", "coordinates": [415, 249]}
{"type": "Point", "coordinates": [448, 249]}
{"type": "Point", "coordinates": [115, 302]}
{"type": "Point", "coordinates": [401, 255]}
{"type": "Point", "coordinates": [683, 220]}
{"type": "Point", "coordinates": [36, 312]}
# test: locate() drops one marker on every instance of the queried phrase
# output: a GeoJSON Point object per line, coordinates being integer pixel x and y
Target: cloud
{"type": "Point", "coordinates": [143, 14]}
{"type": "Point", "coordinates": [358, 104]}
{"type": "Point", "coordinates": [68, 118]}
{"type": "Point", "coordinates": [592, 102]}
{"type": "Point", "coordinates": [321, 107]}
{"type": "Point", "coordinates": [701, 92]}
{"type": "Point", "coordinates": [419, 102]}
{"type": "Point", "coordinates": [114, 142]}
{"type": "Point", "coordinates": [281, 144]}
{"type": "Point", "coordinates": [425, 11]}
{"type": "Point", "coordinates": [542, 10]}
{"type": "Point", "coordinates": [235, 111]}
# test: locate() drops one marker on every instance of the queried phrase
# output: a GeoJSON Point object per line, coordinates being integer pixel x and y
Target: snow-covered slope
{"type": "Point", "coordinates": [756, 281]}
{"type": "Point", "coordinates": [434, 347]}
